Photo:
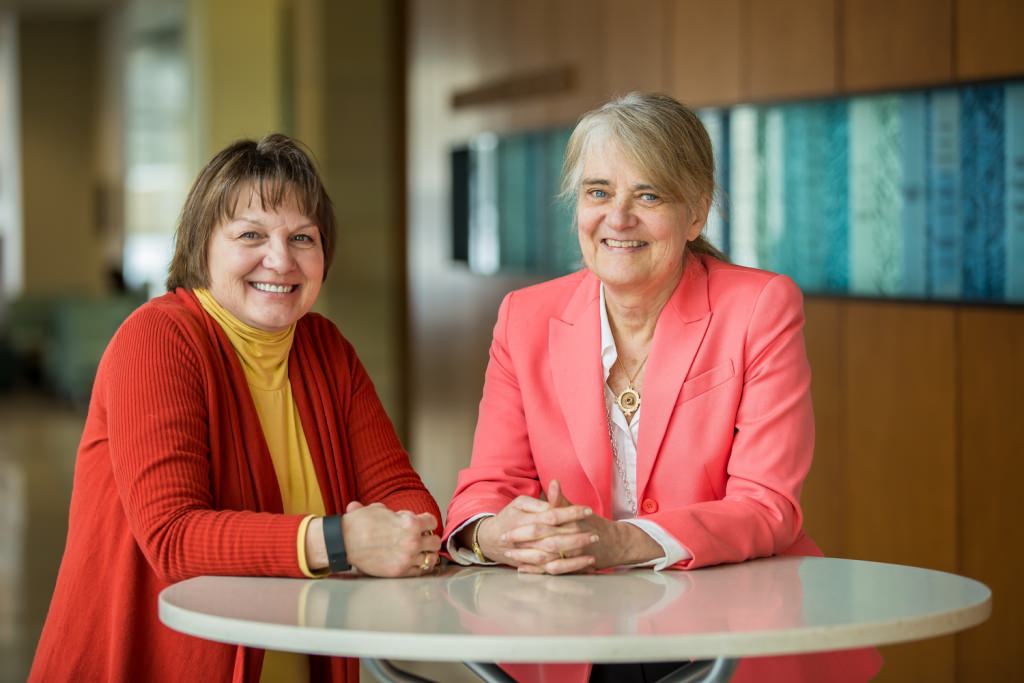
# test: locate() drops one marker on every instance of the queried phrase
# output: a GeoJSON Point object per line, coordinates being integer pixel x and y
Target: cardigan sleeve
{"type": "Point", "coordinates": [759, 514]}
{"type": "Point", "coordinates": [152, 388]}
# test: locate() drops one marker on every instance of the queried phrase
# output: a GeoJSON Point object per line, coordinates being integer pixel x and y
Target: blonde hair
{"type": "Point", "coordinates": [275, 168]}
{"type": "Point", "coordinates": [662, 138]}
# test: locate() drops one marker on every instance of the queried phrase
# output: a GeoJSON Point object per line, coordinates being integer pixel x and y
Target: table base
{"type": "Point", "coordinates": [711, 671]}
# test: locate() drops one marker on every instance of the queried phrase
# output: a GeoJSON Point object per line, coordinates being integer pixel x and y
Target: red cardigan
{"type": "Point", "coordinates": [173, 480]}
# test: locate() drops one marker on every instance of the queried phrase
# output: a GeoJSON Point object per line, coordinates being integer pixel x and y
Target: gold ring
{"type": "Point", "coordinates": [425, 564]}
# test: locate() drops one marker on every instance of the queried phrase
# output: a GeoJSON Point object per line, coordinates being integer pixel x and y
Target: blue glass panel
{"type": "Point", "coordinates": [945, 232]}
{"type": "Point", "coordinates": [914, 151]}
{"type": "Point", "coordinates": [513, 203]}
{"type": "Point", "coordinates": [563, 249]}
{"type": "Point", "coordinates": [836, 191]}
{"type": "Point", "coordinates": [876, 201]}
{"type": "Point", "coordinates": [983, 168]}
{"type": "Point", "coordinates": [1014, 200]}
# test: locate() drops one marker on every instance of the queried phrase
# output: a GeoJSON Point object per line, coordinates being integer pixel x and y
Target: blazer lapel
{"type": "Point", "coordinates": [677, 338]}
{"type": "Point", "coordinates": [574, 345]}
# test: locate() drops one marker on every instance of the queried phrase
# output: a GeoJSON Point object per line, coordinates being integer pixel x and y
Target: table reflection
{"type": "Point", "coordinates": [500, 601]}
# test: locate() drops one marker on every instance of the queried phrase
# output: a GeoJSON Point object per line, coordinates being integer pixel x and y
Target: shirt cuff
{"type": "Point", "coordinates": [300, 544]}
{"type": "Point", "coordinates": [465, 556]}
{"type": "Point", "coordinates": [674, 551]}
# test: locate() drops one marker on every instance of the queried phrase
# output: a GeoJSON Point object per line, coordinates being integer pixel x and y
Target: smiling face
{"type": "Point", "coordinates": [266, 265]}
{"type": "Point", "coordinates": [632, 235]}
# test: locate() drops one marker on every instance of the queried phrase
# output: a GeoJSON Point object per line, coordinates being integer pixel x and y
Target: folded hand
{"type": "Point", "coordinates": [592, 543]}
{"type": "Point", "coordinates": [528, 519]}
{"type": "Point", "coordinates": [381, 542]}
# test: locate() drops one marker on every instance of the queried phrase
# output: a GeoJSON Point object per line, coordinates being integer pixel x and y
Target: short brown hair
{"type": "Point", "coordinates": [276, 168]}
{"type": "Point", "coordinates": [662, 138]}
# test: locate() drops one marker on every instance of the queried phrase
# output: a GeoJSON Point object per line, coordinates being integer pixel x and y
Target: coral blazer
{"type": "Point", "coordinates": [726, 429]}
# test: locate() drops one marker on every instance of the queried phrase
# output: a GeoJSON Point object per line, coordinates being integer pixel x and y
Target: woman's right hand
{"type": "Point", "coordinates": [536, 523]}
{"type": "Point", "coordinates": [380, 542]}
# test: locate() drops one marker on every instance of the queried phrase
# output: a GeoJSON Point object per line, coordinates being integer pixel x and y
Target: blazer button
{"type": "Point", "coordinates": [650, 506]}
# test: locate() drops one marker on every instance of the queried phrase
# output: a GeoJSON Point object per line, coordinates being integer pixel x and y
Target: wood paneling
{"type": "Point", "coordinates": [530, 50]}
{"type": "Point", "coordinates": [988, 40]}
{"type": "Point", "coordinates": [896, 43]}
{"type": "Point", "coordinates": [991, 369]}
{"type": "Point", "coordinates": [900, 434]}
{"type": "Point", "coordinates": [903, 414]}
{"type": "Point", "coordinates": [790, 48]}
{"type": "Point", "coordinates": [899, 468]}
{"type": "Point", "coordinates": [635, 42]}
{"type": "Point", "coordinates": [821, 500]}
{"type": "Point", "coordinates": [577, 36]}
{"type": "Point", "coordinates": [703, 48]}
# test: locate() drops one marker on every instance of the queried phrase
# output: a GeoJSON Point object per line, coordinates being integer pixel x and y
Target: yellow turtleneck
{"type": "Point", "coordinates": [264, 359]}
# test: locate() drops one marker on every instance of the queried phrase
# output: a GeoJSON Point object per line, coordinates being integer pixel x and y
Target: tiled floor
{"type": "Point", "coordinates": [38, 440]}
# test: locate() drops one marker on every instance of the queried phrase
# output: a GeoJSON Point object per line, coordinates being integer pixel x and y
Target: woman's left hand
{"type": "Point", "coordinates": [610, 544]}
{"type": "Point", "coordinates": [380, 542]}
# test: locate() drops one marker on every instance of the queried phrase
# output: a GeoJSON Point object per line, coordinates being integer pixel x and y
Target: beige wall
{"type": "Point", "coordinates": [59, 85]}
{"type": "Point", "coordinates": [235, 50]}
{"type": "Point", "coordinates": [354, 121]}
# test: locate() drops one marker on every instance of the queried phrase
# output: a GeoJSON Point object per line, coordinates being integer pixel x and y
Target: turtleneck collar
{"type": "Point", "coordinates": [263, 355]}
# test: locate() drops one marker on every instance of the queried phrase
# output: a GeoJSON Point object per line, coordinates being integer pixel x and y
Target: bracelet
{"type": "Point", "coordinates": [337, 561]}
{"type": "Point", "coordinates": [480, 557]}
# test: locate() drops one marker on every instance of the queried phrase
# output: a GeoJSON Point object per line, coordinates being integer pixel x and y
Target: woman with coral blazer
{"type": "Point", "coordinates": [652, 409]}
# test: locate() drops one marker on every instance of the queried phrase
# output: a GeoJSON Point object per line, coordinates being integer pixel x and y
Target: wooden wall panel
{"type": "Point", "coordinates": [635, 42]}
{"type": "Point", "coordinates": [703, 50]}
{"type": "Point", "coordinates": [899, 468]}
{"type": "Point", "coordinates": [790, 48]}
{"type": "Point", "coordinates": [991, 369]}
{"type": "Point", "coordinates": [578, 39]}
{"type": "Point", "coordinates": [530, 50]}
{"type": "Point", "coordinates": [821, 500]}
{"type": "Point", "coordinates": [988, 40]}
{"type": "Point", "coordinates": [896, 43]}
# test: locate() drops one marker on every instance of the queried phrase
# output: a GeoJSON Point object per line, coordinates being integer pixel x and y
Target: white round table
{"type": "Point", "coordinates": [771, 606]}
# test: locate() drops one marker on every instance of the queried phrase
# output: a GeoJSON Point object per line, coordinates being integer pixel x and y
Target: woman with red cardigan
{"type": "Point", "coordinates": [232, 432]}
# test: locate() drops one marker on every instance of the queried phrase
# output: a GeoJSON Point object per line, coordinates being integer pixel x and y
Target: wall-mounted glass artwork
{"type": "Point", "coordinates": [916, 194]}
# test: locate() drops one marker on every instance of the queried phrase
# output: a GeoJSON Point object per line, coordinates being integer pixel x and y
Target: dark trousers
{"type": "Point", "coordinates": [633, 673]}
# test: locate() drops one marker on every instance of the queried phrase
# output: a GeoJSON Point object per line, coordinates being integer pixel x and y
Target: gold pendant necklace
{"type": "Point", "coordinates": [629, 399]}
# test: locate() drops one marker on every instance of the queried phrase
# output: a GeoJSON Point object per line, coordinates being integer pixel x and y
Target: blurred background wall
{"type": "Point", "coordinates": [108, 109]}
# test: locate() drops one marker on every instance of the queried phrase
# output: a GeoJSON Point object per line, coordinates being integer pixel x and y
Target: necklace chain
{"type": "Point", "coordinates": [620, 467]}
{"type": "Point", "coordinates": [638, 369]}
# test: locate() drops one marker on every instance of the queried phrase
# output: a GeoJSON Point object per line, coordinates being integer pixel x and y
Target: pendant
{"type": "Point", "coordinates": [629, 401]}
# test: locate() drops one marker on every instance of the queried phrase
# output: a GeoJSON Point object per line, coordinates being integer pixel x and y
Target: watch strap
{"type": "Point", "coordinates": [337, 560]}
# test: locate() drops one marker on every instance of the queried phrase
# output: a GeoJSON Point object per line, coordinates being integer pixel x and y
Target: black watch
{"type": "Point", "coordinates": [337, 560]}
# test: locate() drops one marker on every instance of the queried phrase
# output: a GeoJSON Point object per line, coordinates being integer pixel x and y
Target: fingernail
{"type": "Point", "coordinates": [594, 539]}
{"type": "Point", "coordinates": [591, 561]}
{"type": "Point", "coordinates": [588, 511]}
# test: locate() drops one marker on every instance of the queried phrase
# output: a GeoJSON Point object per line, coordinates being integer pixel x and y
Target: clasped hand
{"type": "Point", "coordinates": [381, 542]}
{"type": "Point", "coordinates": [551, 536]}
